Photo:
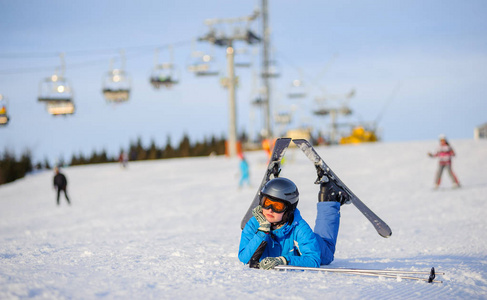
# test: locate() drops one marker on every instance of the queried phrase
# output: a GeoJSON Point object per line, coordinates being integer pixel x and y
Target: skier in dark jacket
{"type": "Point", "coordinates": [60, 184]}
{"type": "Point", "coordinates": [289, 239]}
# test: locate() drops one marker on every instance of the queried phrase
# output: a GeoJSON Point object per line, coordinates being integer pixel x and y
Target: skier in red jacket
{"type": "Point", "coordinates": [444, 153]}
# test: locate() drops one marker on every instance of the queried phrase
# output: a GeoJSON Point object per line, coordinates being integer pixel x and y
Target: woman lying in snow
{"type": "Point", "coordinates": [288, 239]}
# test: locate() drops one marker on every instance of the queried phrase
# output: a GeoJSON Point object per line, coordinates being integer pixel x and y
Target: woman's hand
{"type": "Point", "coordinates": [264, 225]}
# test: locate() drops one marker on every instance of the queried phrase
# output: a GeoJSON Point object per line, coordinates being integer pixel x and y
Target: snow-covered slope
{"type": "Point", "coordinates": [169, 229]}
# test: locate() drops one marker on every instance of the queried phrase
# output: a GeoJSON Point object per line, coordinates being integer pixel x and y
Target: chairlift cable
{"type": "Point", "coordinates": [388, 102]}
{"type": "Point", "coordinates": [76, 65]}
{"type": "Point", "coordinates": [87, 51]}
{"type": "Point", "coordinates": [310, 79]}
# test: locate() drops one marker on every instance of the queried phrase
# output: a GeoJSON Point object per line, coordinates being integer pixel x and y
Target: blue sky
{"type": "Point", "coordinates": [426, 59]}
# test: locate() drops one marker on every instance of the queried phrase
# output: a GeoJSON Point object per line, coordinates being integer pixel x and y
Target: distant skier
{"type": "Point", "coordinates": [444, 153]}
{"type": "Point", "coordinates": [244, 171]}
{"type": "Point", "coordinates": [289, 239]}
{"type": "Point", "coordinates": [123, 159]}
{"type": "Point", "coordinates": [60, 184]}
{"type": "Point", "coordinates": [267, 146]}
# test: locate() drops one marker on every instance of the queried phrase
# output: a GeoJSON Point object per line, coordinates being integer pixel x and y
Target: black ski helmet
{"type": "Point", "coordinates": [284, 190]}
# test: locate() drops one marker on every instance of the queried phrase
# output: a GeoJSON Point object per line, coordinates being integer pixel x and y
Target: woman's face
{"type": "Point", "coordinates": [272, 216]}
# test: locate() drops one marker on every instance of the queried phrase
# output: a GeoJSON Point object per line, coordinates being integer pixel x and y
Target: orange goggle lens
{"type": "Point", "coordinates": [276, 206]}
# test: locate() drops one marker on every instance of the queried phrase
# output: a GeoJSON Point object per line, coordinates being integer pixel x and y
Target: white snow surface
{"type": "Point", "coordinates": [170, 229]}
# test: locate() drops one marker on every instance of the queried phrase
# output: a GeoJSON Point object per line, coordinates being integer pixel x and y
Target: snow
{"type": "Point", "coordinates": [170, 229]}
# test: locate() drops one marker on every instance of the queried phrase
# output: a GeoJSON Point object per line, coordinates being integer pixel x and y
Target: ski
{"type": "Point", "coordinates": [273, 170]}
{"type": "Point", "coordinates": [325, 173]}
{"type": "Point", "coordinates": [377, 273]}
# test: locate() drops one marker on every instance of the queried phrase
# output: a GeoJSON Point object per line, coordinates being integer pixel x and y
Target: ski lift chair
{"type": "Point", "coordinates": [258, 101]}
{"type": "Point", "coordinates": [297, 90]}
{"type": "Point", "coordinates": [203, 66]}
{"type": "Point", "coordinates": [321, 112]}
{"type": "Point", "coordinates": [60, 108]}
{"type": "Point", "coordinates": [163, 75]}
{"type": "Point", "coordinates": [3, 119]}
{"type": "Point", "coordinates": [273, 71]}
{"type": "Point", "coordinates": [3, 110]}
{"type": "Point", "coordinates": [57, 93]}
{"type": "Point", "coordinates": [242, 58]}
{"type": "Point", "coordinates": [116, 86]}
{"type": "Point", "coordinates": [282, 118]}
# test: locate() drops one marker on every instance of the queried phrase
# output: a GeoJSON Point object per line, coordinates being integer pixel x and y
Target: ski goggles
{"type": "Point", "coordinates": [275, 205]}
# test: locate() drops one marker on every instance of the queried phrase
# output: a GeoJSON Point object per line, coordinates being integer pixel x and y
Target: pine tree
{"type": "Point", "coordinates": [184, 149]}
{"type": "Point", "coordinates": [169, 150]}
{"type": "Point", "coordinates": [47, 166]}
{"type": "Point", "coordinates": [25, 163]}
{"type": "Point", "coordinates": [139, 149]}
{"type": "Point", "coordinates": [74, 161]}
{"type": "Point", "coordinates": [104, 157]}
{"type": "Point", "coordinates": [221, 147]}
{"type": "Point", "coordinates": [11, 169]}
{"type": "Point", "coordinates": [152, 152]}
{"type": "Point", "coordinates": [201, 148]}
{"type": "Point", "coordinates": [82, 160]}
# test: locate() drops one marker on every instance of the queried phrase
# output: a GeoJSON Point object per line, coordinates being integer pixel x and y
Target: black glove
{"type": "Point", "coordinates": [330, 191]}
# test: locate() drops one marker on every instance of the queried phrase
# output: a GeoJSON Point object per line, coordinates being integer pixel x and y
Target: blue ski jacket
{"type": "Point", "coordinates": [296, 241]}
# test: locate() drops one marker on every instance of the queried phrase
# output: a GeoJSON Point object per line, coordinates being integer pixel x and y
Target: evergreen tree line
{"type": "Point", "coordinates": [137, 151]}
{"type": "Point", "coordinates": [12, 168]}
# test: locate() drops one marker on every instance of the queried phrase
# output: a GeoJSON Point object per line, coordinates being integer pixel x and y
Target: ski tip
{"type": "Point", "coordinates": [299, 141]}
{"type": "Point", "coordinates": [385, 234]}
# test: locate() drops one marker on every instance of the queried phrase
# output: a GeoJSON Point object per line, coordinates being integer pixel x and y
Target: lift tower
{"type": "Point", "coordinates": [226, 39]}
{"type": "Point", "coordinates": [266, 70]}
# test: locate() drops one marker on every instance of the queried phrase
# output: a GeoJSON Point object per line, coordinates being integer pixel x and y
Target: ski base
{"type": "Point", "coordinates": [325, 173]}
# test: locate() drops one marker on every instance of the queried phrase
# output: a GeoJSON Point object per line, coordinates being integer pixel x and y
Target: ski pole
{"type": "Point", "coordinates": [366, 272]}
{"type": "Point", "coordinates": [355, 270]}
{"type": "Point", "coordinates": [397, 276]}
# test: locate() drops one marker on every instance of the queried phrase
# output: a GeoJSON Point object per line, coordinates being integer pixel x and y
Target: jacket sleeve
{"type": "Point", "coordinates": [307, 246]}
{"type": "Point", "coordinates": [250, 240]}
